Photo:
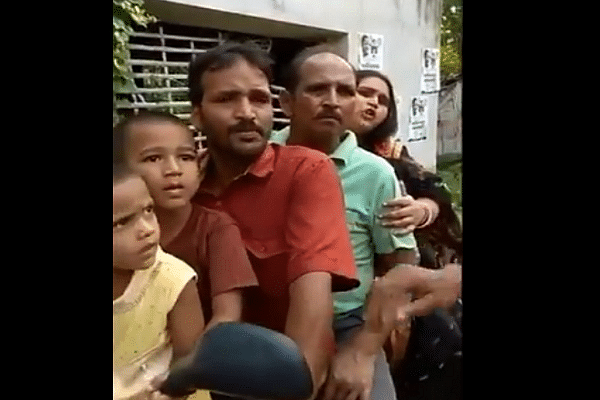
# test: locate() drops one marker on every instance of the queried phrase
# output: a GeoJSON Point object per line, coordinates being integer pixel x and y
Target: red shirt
{"type": "Point", "coordinates": [289, 207]}
{"type": "Point", "coordinates": [210, 243]}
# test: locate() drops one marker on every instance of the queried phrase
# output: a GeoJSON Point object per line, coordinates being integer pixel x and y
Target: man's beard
{"type": "Point", "coordinates": [231, 148]}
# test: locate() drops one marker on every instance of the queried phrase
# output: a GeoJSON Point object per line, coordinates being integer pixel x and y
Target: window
{"type": "Point", "coordinates": [160, 56]}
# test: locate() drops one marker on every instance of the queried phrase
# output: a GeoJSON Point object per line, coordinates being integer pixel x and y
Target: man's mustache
{"type": "Point", "coordinates": [330, 114]}
{"type": "Point", "coordinates": [245, 127]}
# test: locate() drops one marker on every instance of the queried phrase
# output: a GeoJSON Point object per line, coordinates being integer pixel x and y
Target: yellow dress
{"type": "Point", "coordinates": [141, 344]}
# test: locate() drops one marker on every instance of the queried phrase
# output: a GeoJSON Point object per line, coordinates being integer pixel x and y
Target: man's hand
{"type": "Point", "coordinates": [429, 288]}
{"type": "Point", "coordinates": [440, 290]}
{"type": "Point", "coordinates": [398, 343]}
{"type": "Point", "coordinates": [351, 373]}
{"type": "Point", "coordinates": [350, 376]}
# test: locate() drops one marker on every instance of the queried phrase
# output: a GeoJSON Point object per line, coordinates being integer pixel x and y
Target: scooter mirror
{"type": "Point", "coordinates": [245, 360]}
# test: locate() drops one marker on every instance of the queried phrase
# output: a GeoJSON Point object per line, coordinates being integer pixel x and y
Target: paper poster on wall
{"type": "Point", "coordinates": [370, 53]}
{"type": "Point", "coordinates": [417, 119]}
{"type": "Point", "coordinates": [430, 70]}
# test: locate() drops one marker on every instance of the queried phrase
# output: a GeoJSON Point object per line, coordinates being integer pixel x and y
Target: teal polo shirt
{"type": "Point", "coordinates": [367, 181]}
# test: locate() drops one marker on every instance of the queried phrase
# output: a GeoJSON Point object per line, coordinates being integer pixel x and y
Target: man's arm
{"type": "Point", "coordinates": [408, 290]}
{"type": "Point", "coordinates": [428, 288]}
{"type": "Point", "coordinates": [353, 366]}
{"type": "Point", "coordinates": [380, 316]}
{"type": "Point", "coordinates": [385, 262]}
{"type": "Point", "coordinates": [373, 334]}
{"type": "Point", "coordinates": [309, 321]}
{"type": "Point", "coordinates": [321, 260]}
{"type": "Point", "coordinates": [352, 369]}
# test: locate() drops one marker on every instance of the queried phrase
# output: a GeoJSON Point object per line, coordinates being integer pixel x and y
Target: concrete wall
{"type": "Point", "coordinates": [407, 27]}
{"type": "Point", "coordinates": [450, 120]}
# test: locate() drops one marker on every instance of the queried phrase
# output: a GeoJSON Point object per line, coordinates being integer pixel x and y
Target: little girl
{"type": "Point", "coordinates": [157, 314]}
{"type": "Point", "coordinates": [161, 148]}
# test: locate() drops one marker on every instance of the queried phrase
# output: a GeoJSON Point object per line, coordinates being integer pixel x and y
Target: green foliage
{"type": "Point", "coordinates": [450, 61]}
{"type": "Point", "coordinates": [126, 14]}
{"type": "Point", "coordinates": [451, 39]}
{"type": "Point", "coordinates": [451, 173]}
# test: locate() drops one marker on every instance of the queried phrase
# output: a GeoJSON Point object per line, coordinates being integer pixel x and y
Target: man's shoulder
{"type": "Point", "coordinates": [211, 218]}
{"type": "Point", "coordinates": [372, 161]}
{"type": "Point", "coordinates": [278, 140]}
{"type": "Point", "coordinates": [287, 153]}
{"type": "Point", "coordinates": [298, 164]}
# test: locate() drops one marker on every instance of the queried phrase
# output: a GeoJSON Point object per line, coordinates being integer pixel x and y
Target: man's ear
{"type": "Point", "coordinates": [285, 101]}
{"type": "Point", "coordinates": [196, 117]}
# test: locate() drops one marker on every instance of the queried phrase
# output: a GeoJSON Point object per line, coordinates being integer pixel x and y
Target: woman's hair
{"type": "Point", "coordinates": [389, 125]}
{"type": "Point", "coordinates": [387, 128]}
{"type": "Point", "coordinates": [446, 229]}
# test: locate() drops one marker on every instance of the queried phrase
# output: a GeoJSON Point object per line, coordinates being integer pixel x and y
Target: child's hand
{"type": "Point", "coordinates": [156, 394]}
{"type": "Point", "coordinates": [146, 394]}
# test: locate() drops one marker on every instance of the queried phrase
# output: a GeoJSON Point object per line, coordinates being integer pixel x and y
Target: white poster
{"type": "Point", "coordinates": [430, 70]}
{"type": "Point", "coordinates": [417, 119]}
{"type": "Point", "coordinates": [370, 54]}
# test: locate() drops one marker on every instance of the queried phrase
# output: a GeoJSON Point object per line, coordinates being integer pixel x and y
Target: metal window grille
{"type": "Point", "coordinates": [159, 60]}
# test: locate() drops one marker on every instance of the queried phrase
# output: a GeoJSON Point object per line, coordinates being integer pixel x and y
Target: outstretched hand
{"type": "Point", "coordinates": [436, 288]}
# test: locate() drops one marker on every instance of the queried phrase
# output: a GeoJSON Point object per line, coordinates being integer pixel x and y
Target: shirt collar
{"type": "Point", "coordinates": [341, 153]}
{"type": "Point", "coordinates": [345, 148]}
{"type": "Point", "coordinates": [280, 137]}
{"type": "Point", "coordinates": [261, 167]}
{"type": "Point", "coordinates": [265, 164]}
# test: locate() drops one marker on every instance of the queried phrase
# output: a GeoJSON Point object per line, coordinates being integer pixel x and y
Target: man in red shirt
{"type": "Point", "coordinates": [286, 200]}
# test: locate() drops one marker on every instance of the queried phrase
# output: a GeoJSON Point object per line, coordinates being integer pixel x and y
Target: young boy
{"type": "Point", "coordinates": [161, 148]}
{"type": "Point", "coordinates": [156, 308]}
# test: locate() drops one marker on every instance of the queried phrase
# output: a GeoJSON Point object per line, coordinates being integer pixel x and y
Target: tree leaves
{"type": "Point", "coordinates": [126, 13]}
{"type": "Point", "coordinates": [451, 39]}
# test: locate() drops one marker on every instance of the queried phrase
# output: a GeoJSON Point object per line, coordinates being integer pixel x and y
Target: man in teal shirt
{"type": "Point", "coordinates": [319, 99]}
{"type": "Point", "coordinates": [368, 181]}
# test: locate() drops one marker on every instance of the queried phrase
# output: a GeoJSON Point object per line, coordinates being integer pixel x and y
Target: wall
{"type": "Point", "coordinates": [450, 120]}
{"type": "Point", "coordinates": [407, 27]}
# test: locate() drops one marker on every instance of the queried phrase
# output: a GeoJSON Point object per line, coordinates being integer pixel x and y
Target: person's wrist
{"type": "Point", "coordinates": [366, 343]}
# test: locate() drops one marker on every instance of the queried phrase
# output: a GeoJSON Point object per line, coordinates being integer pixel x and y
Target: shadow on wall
{"type": "Point", "coordinates": [429, 10]}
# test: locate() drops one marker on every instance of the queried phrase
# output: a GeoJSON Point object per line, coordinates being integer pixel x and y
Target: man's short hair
{"type": "Point", "coordinates": [121, 130]}
{"type": "Point", "coordinates": [291, 75]}
{"type": "Point", "coordinates": [222, 57]}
